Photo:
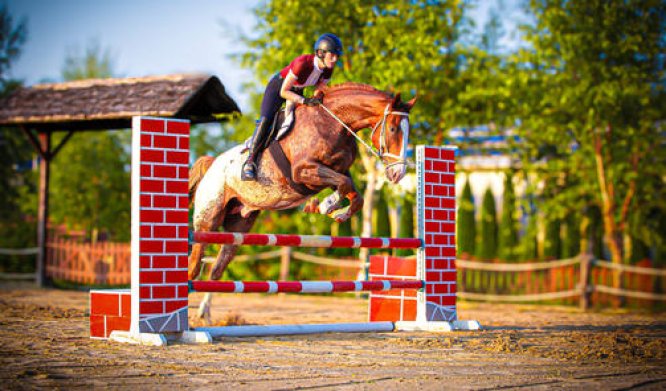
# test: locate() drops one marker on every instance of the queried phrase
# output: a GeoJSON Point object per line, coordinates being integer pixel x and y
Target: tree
{"type": "Point", "coordinates": [95, 63]}
{"type": "Point", "coordinates": [389, 44]}
{"type": "Point", "coordinates": [591, 96]}
{"type": "Point", "coordinates": [381, 222]}
{"type": "Point", "coordinates": [529, 241]}
{"type": "Point", "coordinates": [488, 239]}
{"type": "Point", "coordinates": [571, 236]}
{"type": "Point", "coordinates": [508, 230]}
{"type": "Point", "coordinates": [90, 182]}
{"type": "Point", "coordinates": [406, 224]}
{"type": "Point", "coordinates": [552, 243]}
{"type": "Point", "coordinates": [16, 178]}
{"type": "Point", "coordinates": [12, 37]}
{"type": "Point", "coordinates": [466, 223]}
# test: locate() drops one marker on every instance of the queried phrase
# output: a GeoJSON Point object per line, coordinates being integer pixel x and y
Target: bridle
{"type": "Point", "coordinates": [382, 153]}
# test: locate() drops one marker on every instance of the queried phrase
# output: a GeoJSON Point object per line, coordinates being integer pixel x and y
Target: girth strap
{"type": "Point", "coordinates": [285, 167]}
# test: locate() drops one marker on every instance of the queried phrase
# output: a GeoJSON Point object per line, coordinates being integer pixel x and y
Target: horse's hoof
{"type": "Point", "coordinates": [330, 203]}
{"type": "Point", "coordinates": [312, 206]}
{"type": "Point", "coordinates": [340, 215]}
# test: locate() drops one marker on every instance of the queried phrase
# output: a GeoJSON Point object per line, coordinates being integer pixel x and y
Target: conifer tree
{"type": "Point", "coordinates": [488, 237]}
{"type": "Point", "coordinates": [466, 225]}
{"type": "Point", "coordinates": [508, 237]}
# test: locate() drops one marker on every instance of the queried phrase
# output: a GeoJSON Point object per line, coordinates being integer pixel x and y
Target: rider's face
{"type": "Point", "coordinates": [329, 59]}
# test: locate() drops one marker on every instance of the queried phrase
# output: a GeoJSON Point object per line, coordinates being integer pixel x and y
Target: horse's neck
{"type": "Point", "coordinates": [359, 111]}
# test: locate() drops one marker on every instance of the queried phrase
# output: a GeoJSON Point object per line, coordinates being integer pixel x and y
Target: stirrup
{"type": "Point", "coordinates": [249, 171]}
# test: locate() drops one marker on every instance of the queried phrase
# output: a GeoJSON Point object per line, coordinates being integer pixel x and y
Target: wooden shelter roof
{"type": "Point", "coordinates": [100, 104]}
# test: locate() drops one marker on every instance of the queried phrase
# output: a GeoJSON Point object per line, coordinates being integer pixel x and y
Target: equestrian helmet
{"type": "Point", "coordinates": [329, 42]}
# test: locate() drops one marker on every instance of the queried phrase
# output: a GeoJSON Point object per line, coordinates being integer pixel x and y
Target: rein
{"type": "Point", "coordinates": [382, 137]}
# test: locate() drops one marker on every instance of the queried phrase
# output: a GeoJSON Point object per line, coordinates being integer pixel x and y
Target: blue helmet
{"type": "Point", "coordinates": [329, 42]}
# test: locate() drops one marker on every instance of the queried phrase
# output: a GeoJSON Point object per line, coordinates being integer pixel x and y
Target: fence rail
{"type": "Point", "coordinates": [583, 279]}
{"type": "Point", "coordinates": [580, 280]}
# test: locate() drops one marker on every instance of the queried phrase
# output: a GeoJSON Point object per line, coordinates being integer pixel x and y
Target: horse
{"type": "Point", "coordinates": [314, 155]}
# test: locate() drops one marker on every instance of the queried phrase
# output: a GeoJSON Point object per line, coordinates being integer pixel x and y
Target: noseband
{"type": "Point", "coordinates": [383, 149]}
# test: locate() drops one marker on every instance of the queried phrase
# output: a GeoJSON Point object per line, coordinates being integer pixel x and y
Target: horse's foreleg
{"type": "Point", "coordinates": [315, 174]}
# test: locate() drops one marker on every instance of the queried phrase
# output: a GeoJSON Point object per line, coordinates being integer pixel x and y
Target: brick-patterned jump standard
{"type": "Point", "coordinates": [158, 297]}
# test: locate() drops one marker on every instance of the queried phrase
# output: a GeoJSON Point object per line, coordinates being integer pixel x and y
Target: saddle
{"type": "Point", "coordinates": [276, 132]}
{"type": "Point", "coordinates": [273, 146]}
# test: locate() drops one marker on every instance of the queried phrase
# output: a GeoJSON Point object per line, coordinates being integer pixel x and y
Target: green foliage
{"type": "Point", "coordinates": [90, 180]}
{"type": "Point", "coordinates": [488, 239]}
{"type": "Point", "coordinates": [12, 37]}
{"type": "Point", "coordinates": [406, 224]}
{"type": "Point", "coordinates": [596, 232]}
{"type": "Point", "coordinates": [552, 243]}
{"type": "Point", "coordinates": [529, 243]}
{"type": "Point", "coordinates": [16, 179]}
{"type": "Point", "coordinates": [508, 229]}
{"type": "Point", "coordinates": [590, 94]}
{"type": "Point", "coordinates": [639, 250]}
{"type": "Point", "coordinates": [407, 46]}
{"type": "Point", "coordinates": [466, 223]}
{"type": "Point", "coordinates": [380, 217]}
{"type": "Point", "coordinates": [95, 63]}
{"type": "Point", "coordinates": [571, 236]}
{"type": "Point", "coordinates": [90, 184]}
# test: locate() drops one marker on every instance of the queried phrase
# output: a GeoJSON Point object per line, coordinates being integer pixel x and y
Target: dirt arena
{"type": "Point", "coordinates": [45, 344]}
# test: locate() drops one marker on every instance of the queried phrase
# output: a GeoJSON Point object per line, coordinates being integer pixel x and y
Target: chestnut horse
{"type": "Point", "coordinates": [320, 148]}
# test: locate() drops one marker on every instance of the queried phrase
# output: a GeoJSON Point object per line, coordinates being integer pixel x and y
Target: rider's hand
{"type": "Point", "coordinates": [311, 101]}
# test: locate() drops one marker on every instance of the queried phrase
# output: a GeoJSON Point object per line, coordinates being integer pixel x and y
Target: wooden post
{"type": "Point", "coordinates": [285, 259]}
{"type": "Point", "coordinates": [584, 283]}
{"type": "Point", "coordinates": [43, 208]}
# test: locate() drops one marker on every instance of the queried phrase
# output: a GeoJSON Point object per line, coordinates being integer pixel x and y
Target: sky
{"type": "Point", "coordinates": [145, 37]}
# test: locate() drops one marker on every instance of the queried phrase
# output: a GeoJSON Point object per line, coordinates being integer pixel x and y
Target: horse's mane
{"type": "Point", "coordinates": [354, 87]}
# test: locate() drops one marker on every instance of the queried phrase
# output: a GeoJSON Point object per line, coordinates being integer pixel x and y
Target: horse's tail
{"type": "Point", "coordinates": [197, 172]}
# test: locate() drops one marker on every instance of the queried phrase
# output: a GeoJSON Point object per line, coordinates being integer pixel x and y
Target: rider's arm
{"type": "Point", "coordinates": [287, 93]}
{"type": "Point", "coordinates": [319, 87]}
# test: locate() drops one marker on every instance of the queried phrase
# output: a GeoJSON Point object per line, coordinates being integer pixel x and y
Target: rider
{"type": "Point", "coordinates": [304, 71]}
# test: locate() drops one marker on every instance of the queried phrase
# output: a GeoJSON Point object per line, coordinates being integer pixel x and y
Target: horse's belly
{"type": "Point", "coordinates": [270, 192]}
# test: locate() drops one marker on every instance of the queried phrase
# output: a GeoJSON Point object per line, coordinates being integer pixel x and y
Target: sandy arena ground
{"type": "Point", "coordinates": [45, 344]}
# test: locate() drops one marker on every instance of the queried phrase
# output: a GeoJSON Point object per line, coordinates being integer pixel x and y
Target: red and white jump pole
{"type": "Point", "coordinates": [411, 294]}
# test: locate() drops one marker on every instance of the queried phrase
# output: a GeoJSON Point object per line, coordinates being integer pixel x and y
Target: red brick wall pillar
{"type": "Point", "coordinates": [436, 208]}
{"type": "Point", "coordinates": [160, 157]}
{"type": "Point", "coordinates": [435, 262]}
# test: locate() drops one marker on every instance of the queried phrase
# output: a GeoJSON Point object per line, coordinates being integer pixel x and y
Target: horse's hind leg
{"type": "Point", "coordinates": [210, 222]}
{"type": "Point", "coordinates": [232, 223]}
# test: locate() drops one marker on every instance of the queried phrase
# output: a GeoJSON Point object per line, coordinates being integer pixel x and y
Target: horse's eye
{"type": "Point", "coordinates": [393, 129]}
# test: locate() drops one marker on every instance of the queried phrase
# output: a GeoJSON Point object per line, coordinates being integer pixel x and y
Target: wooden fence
{"type": "Point", "coordinates": [108, 263]}
{"type": "Point", "coordinates": [582, 280]}
{"type": "Point", "coordinates": [101, 263]}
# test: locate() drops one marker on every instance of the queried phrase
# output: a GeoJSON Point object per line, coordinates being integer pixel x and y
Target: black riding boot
{"type": "Point", "coordinates": [249, 170]}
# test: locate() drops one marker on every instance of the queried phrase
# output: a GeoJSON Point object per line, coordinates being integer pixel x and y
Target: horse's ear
{"type": "Point", "coordinates": [411, 102]}
{"type": "Point", "coordinates": [396, 100]}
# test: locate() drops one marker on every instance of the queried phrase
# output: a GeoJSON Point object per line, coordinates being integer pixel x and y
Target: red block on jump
{"type": "Point", "coordinates": [152, 125]}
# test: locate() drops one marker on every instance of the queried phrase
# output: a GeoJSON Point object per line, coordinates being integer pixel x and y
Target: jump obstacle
{"type": "Point", "coordinates": [406, 294]}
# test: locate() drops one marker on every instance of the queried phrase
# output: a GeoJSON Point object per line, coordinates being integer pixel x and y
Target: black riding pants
{"type": "Point", "coordinates": [272, 100]}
